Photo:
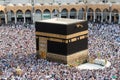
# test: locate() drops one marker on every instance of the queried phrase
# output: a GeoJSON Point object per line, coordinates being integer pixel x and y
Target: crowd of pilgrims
{"type": "Point", "coordinates": [102, 38]}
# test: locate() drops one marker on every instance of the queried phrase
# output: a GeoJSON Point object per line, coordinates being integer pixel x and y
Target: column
{"type": "Point", "coordinates": [110, 17]}
{"type": "Point", "coordinates": [68, 14]}
{"type": "Point", "coordinates": [115, 18]}
{"type": "Point", "coordinates": [24, 18]}
{"type": "Point", "coordinates": [76, 15]}
{"type": "Point", "coordinates": [86, 15]}
{"type": "Point", "coordinates": [59, 12]}
{"type": "Point", "coordinates": [94, 16]}
{"type": "Point", "coordinates": [97, 16]}
{"type": "Point", "coordinates": [6, 19]}
{"type": "Point", "coordinates": [59, 15]}
{"type": "Point", "coordinates": [106, 16]}
{"type": "Point", "coordinates": [51, 15]}
{"type": "Point", "coordinates": [101, 16]}
{"type": "Point", "coordinates": [91, 16]}
{"type": "Point", "coordinates": [83, 15]}
{"type": "Point", "coordinates": [34, 1]}
{"type": "Point", "coordinates": [15, 18]}
{"type": "Point", "coordinates": [33, 17]}
{"type": "Point", "coordinates": [40, 16]}
{"type": "Point", "coordinates": [119, 19]}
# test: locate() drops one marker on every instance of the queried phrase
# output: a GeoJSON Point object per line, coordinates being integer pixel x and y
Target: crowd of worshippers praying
{"type": "Point", "coordinates": [102, 38]}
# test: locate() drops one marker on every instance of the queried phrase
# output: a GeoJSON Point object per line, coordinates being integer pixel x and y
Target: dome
{"type": "Point", "coordinates": [37, 4]}
{"type": "Point", "coordinates": [72, 3]}
{"type": "Point", "coordinates": [46, 4]}
{"type": "Point", "coordinates": [82, 3]}
{"type": "Point", "coordinates": [109, 3]}
{"type": "Point", "coordinates": [19, 4]}
{"type": "Point", "coordinates": [64, 4]}
{"type": "Point", "coordinates": [55, 3]}
{"type": "Point", "coordinates": [93, 2]}
{"type": "Point", "coordinates": [100, 2]}
{"type": "Point", "coordinates": [28, 4]}
{"type": "Point", "coordinates": [10, 4]}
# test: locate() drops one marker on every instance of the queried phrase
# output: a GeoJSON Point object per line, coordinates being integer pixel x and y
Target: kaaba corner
{"type": "Point", "coordinates": [62, 40]}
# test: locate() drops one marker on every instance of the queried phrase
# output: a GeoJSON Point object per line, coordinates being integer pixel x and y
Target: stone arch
{"type": "Point", "coordinates": [28, 16]}
{"type": "Point", "coordinates": [115, 11]}
{"type": "Point", "coordinates": [55, 13]}
{"type": "Point", "coordinates": [98, 15]}
{"type": "Point", "coordinates": [73, 13]}
{"type": "Point", "coordinates": [12, 9]}
{"type": "Point", "coordinates": [11, 16]}
{"type": "Point", "coordinates": [90, 14]}
{"type": "Point", "coordinates": [2, 17]}
{"type": "Point", "coordinates": [2, 8]}
{"type": "Point", "coordinates": [19, 15]}
{"type": "Point", "coordinates": [81, 13]}
{"type": "Point", "coordinates": [106, 15]}
{"type": "Point", "coordinates": [38, 14]}
{"type": "Point", "coordinates": [38, 11]}
{"type": "Point", "coordinates": [27, 10]}
{"type": "Point", "coordinates": [97, 10]}
{"type": "Point", "coordinates": [115, 15]}
{"type": "Point", "coordinates": [64, 13]}
{"type": "Point", "coordinates": [46, 14]}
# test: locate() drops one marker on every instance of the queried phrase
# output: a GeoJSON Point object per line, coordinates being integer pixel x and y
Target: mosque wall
{"type": "Point", "coordinates": [31, 12]}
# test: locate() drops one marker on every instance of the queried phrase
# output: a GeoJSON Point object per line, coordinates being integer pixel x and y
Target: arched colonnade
{"type": "Point", "coordinates": [28, 13]}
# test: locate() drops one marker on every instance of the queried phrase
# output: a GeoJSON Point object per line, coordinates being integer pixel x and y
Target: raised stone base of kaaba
{"type": "Point", "coordinates": [72, 60]}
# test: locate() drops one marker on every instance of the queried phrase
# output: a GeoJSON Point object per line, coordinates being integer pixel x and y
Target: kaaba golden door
{"type": "Point", "coordinates": [42, 47]}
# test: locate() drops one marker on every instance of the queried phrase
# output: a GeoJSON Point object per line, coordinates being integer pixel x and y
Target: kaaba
{"type": "Point", "coordinates": [62, 40]}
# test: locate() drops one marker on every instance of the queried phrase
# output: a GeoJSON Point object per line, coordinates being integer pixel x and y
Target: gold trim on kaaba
{"type": "Point", "coordinates": [77, 34]}
{"type": "Point", "coordinates": [74, 39]}
{"type": "Point", "coordinates": [68, 40]}
{"type": "Point", "coordinates": [43, 47]}
{"type": "Point", "coordinates": [82, 37]}
{"type": "Point", "coordinates": [56, 40]}
{"type": "Point", "coordinates": [62, 36]}
{"type": "Point", "coordinates": [79, 25]}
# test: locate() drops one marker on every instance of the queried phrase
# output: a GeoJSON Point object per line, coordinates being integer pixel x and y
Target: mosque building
{"type": "Point", "coordinates": [32, 10]}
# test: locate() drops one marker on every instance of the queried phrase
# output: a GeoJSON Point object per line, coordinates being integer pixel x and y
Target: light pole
{"type": "Point", "coordinates": [59, 11]}
{"type": "Point", "coordinates": [32, 2]}
{"type": "Point", "coordinates": [110, 12]}
{"type": "Point", "coordinates": [86, 10]}
{"type": "Point", "coordinates": [6, 15]}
